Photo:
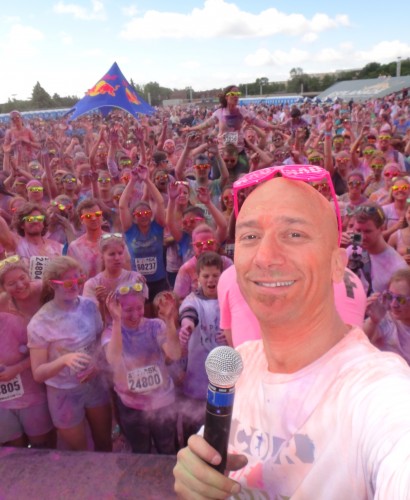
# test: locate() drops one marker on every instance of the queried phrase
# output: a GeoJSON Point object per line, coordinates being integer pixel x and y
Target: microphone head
{"type": "Point", "coordinates": [223, 366]}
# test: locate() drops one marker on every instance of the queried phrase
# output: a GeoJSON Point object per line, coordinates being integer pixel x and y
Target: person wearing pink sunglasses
{"type": "Point", "coordinates": [319, 412]}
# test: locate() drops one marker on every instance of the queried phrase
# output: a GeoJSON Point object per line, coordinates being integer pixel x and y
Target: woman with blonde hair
{"type": "Point", "coordinates": [24, 415]}
{"type": "Point", "coordinates": [114, 256]}
{"type": "Point", "coordinates": [63, 338]}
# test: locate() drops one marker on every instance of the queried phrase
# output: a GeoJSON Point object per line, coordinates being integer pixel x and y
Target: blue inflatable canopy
{"type": "Point", "coordinates": [111, 91]}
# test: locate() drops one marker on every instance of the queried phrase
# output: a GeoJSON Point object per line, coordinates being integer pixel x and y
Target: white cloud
{"type": "Point", "coordinates": [129, 11]}
{"type": "Point", "coordinates": [385, 51]}
{"type": "Point", "coordinates": [262, 57]}
{"type": "Point", "coordinates": [95, 12]}
{"type": "Point", "coordinates": [20, 41]}
{"type": "Point", "coordinates": [219, 18]}
{"type": "Point", "coordinates": [342, 56]}
{"type": "Point", "coordinates": [310, 37]}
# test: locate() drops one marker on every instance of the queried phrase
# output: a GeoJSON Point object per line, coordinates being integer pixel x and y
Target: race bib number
{"type": "Point", "coordinates": [12, 389]}
{"type": "Point", "coordinates": [38, 265]}
{"type": "Point", "coordinates": [146, 265]}
{"type": "Point", "coordinates": [231, 138]}
{"type": "Point", "coordinates": [144, 379]}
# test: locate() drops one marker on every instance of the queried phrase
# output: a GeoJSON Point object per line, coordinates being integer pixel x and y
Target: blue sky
{"type": "Point", "coordinates": [68, 45]}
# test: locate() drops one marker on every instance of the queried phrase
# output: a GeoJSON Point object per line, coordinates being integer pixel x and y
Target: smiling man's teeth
{"type": "Point", "coordinates": [276, 284]}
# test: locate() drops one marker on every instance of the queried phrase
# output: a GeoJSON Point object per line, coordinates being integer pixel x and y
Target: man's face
{"type": "Point", "coordinates": [204, 242]}
{"type": "Point", "coordinates": [201, 170]}
{"type": "Point", "coordinates": [285, 260]}
{"type": "Point", "coordinates": [169, 146]}
{"type": "Point", "coordinates": [32, 226]}
{"type": "Point", "coordinates": [92, 218]}
{"type": "Point", "coordinates": [208, 280]}
{"type": "Point", "coordinates": [371, 235]}
{"type": "Point", "coordinates": [355, 185]}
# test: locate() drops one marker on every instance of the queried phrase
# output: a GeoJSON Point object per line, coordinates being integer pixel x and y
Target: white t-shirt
{"type": "Point", "coordinates": [383, 265]}
{"type": "Point", "coordinates": [60, 332]}
{"type": "Point", "coordinates": [338, 429]}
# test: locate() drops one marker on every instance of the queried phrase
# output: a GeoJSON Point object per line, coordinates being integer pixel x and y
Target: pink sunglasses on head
{"type": "Point", "coordinates": [305, 173]}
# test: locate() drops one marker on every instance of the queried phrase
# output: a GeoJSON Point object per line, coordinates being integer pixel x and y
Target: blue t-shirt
{"type": "Point", "coordinates": [146, 251]}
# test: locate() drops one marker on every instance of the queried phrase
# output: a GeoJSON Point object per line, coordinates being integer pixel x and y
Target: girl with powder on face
{"type": "Point", "coordinates": [137, 349]}
{"type": "Point", "coordinates": [114, 274]}
{"type": "Point", "coordinates": [63, 339]}
{"type": "Point", "coordinates": [24, 415]}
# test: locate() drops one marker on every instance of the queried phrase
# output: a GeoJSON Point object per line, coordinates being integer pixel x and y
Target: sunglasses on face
{"type": "Point", "coordinates": [389, 297]}
{"type": "Point", "coordinates": [338, 141]}
{"type": "Point", "coordinates": [204, 243]}
{"type": "Point", "coordinates": [202, 166]}
{"type": "Point", "coordinates": [368, 152]}
{"type": "Point", "coordinates": [125, 162]}
{"type": "Point", "coordinates": [191, 220]}
{"type": "Point", "coordinates": [60, 206]}
{"type": "Point", "coordinates": [384, 137]}
{"type": "Point", "coordinates": [390, 174]}
{"type": "Point", "coordinates": [104, 180]}
{"type": "Point", "coordinates": [123, 290]}
{"type": "Point", "coordinates": [315, 159]}
{"type": "Point", "coordinates": [400, 188]}
{"type": "Point", "coordinates": [92, 215]}
{"type": "Point", "coordinates": [354, 183]}
{"type": "Point", "coordinates": [377, 166]}
{"type": "Point", "coordinates": [342, 160]}
{"type": "Point", "coordinates": [227, 197]}
{"type": "Point", "coordinates": [35, 189]}
{"type": "Point", "coordinates": [320, 186]}
{"type": "Point", "coordinates": [70, 180]}
{"type": "Point", "coordinates": [108, 236]}
{"type": "Point", "coordinates": [233, 94]}
{"type": "Point", "coordinates": [232, 161]}
{"type": "Point", "coordinates": [70, 283]}
{"type": "Point", "coordinates": [304, 173]}
{"type": "Point", "coordinates": [142, 213]}
{"type": "Point", "coordinates": [9, 260]}
{"type": "Point", "coordinates": [33, 218]}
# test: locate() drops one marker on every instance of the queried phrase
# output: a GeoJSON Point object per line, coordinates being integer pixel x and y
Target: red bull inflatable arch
{"type": "Point", "coordinates": [111, 91]}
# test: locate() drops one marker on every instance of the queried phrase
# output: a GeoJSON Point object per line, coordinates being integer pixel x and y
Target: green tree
{"type": "Point", "coordinates": [40, 98]}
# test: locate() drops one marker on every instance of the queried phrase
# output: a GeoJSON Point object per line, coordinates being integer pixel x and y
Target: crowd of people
{"type": "Point", "coordinates": [117, 242]}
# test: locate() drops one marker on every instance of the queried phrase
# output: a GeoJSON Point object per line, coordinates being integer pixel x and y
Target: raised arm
{"type": "Point", "coordinates": [171, 213]}
{"type": "Point", "coordinates": [219, 218]}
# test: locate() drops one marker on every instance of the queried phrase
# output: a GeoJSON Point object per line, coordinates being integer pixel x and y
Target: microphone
{"type": "Point", "coordinates": [223, 367]}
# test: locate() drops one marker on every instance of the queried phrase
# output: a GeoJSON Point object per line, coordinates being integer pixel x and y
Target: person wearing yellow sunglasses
{"type": "Point", "coordinates": [29, 241]}
{"type": "Point", "coordinates": [229, 118]}
{"type": "Point", "coordinates": [35, 192]}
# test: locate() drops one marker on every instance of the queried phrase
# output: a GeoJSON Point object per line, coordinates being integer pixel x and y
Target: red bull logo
{"type": "Point", "coordinates": [132, 97]}
{"type": "Point", "coordinates": [102, 87]}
